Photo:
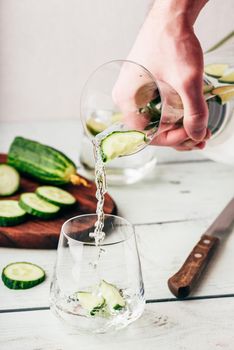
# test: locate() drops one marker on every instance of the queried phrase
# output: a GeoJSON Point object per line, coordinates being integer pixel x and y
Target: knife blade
{"type": "Point", "coordinates": [183, 281]}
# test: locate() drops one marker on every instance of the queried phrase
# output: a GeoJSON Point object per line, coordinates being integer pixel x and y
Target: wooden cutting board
{"type": "Point", "coordinates": [41, 234]}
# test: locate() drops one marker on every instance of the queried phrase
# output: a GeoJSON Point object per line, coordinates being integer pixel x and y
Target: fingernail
{"type": "Point", "coordinates": [198, 134]}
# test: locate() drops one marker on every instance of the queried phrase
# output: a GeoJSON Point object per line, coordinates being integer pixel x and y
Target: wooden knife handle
{"type": "Point", "coordinates": [185, 279]}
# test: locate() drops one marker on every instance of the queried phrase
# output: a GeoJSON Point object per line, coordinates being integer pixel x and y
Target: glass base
{"type": "Point", "coordinates": [87, 325]}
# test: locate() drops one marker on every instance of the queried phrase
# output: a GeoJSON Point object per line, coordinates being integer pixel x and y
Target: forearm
{"type": "Point", "coordinates": [174, 13]}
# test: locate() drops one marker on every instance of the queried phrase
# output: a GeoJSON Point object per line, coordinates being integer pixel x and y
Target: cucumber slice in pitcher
{"type": "Point", "coordinates": [56, 196]}
{"type": "Point", "coordinates": [120, 143]}
{"type": "Point", "coordinates": [9, 180]}
{"type": "Point", "coordinates": [228, 78]}
{"type": "Point", "coordinates": [11, 213]}
{"type": "Point", "coordinates": [22, 275]}
{"type": "Point", "coordinates": [36, 206]}
{"type": "Point", "coordinates": [216, 70]}
{"type": "Point", "coordinates": [225, 93]}
{"type": "Point", "coordinates": [91, 302]}
{"type": "Point", "coordinates": [112, 296]}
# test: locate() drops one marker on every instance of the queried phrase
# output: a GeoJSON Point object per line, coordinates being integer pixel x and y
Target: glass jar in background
{"type": "Point", "coordinates": [120, 171]}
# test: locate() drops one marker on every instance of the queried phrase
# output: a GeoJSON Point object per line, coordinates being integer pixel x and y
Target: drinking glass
{"type": "Point", "coordinates": [82, 266]}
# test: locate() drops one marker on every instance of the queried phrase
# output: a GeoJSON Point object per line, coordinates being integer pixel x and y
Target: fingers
{"type": "Point", "coordinates": [195, 111]}
{"type": "Point", "coordinates": [170, 138]}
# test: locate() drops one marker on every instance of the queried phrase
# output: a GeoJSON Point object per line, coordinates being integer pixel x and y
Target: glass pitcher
{"type": "Point", "coordinates": [149, 113]}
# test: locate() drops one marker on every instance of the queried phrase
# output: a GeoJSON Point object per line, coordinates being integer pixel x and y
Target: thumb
{"type": "Point", "coordinates": [195, 113]}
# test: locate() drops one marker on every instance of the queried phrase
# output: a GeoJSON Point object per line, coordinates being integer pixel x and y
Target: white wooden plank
{"type": "Point", "coordinates": [35, 297]}
{"type": "Point", "coordinates": [188, 325]}
{"type": "Point", "coordinates": [177, 192]}
{"type": "Point", "coordinates": [163, 248]}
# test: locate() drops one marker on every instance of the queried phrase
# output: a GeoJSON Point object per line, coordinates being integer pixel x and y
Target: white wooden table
{"type": "Point", "coordinates": [170, 210]}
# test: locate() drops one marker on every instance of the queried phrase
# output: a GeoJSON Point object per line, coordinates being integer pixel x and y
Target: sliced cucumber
{"type": "Point", "coordinates": [228, 78]}
{"type": "Point", "coordinates": [56, 196]}
{"type": "Point", "coordinates": [216, 70]}
{"type": "Point", "coordinates": [91, 302]}
{"type": "Point", "coordinates": [120, 143]}
{"type": "Point", "coordinates": [94, 126]}
{"type": "Point", "coordinates": [22, 275]}
{"type": "Point", "coordinates": [9, 180]}
{"type": "Point", "coordinates": [11, 213]}
{"type": "Point", "coordinates": [112, 296]}
{"type": "Point", "coordinates": [34, 205]}
{"type": "Point", "coordinates": [225, 93]}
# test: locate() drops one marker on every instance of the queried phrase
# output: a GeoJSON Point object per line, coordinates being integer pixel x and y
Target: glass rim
{"type": "Point", "coordinates": [102, 244]}
{"type": "Point", "coordinates": [100, 67]}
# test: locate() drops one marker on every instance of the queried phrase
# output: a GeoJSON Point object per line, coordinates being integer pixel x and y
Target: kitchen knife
{"type": "Point", "coordinates": [185, 279]}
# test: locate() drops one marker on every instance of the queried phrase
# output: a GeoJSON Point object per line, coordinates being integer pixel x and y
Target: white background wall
{"type": "Point", "coordinates": [49, 47]}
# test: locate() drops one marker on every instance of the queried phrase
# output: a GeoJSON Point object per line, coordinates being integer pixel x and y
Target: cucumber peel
{"type": "Point", "coordinates": [22, 275]}
{"type": "Point", "coordinates": [120, 143]}
{"type": "Point", "coordinates": [36, 206]}
{"type": "Point", "coordinates": [11, 213]}
{"type": "Point", "coordinates": [9, 180]}
{"type": "Point", "coordinates": [56, 196]}
{"type": "Point", "coordinates": [215, 70]}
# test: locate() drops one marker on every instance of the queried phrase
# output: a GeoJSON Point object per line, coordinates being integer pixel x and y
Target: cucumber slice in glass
{"type": "Point", "coordinates": [216, 70]}
{"type": "Point", "coordinates": [112, 296]}
{"type": "Point", "coordinates": [228, 78]}
{"type": "Point", "coordinates": [95, 126]}
{"type": "Point", "coordinates": [11, 213]}
{"type": "Point", "coordinates": [9, 180]}
{"type": "Point", "coordinates": [91, 302]}
{"type": "Point", "coordinates": [225, 93]}
{"type": "Point", "coordinates": [56, 195]}
{"type": "Point", "coordinates": [34, 205]}
{"type": "Point", "coordinates": [22, 275]}
{"type": "Point", "coordinates": [120, 143]}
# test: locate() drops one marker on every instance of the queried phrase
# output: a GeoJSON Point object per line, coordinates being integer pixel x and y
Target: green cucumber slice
{"type": "Point", "coordinates": [95, 126]}
{"type": "Point", "coordinates": [225, 93]}
{"type": "Point", "coordinates": [216, 70]}
{"type": "Point", "coordinates": [34, 205]}
{"type": "Point", "coordinates": [56, 196]}
{"type": "Point", "coordinates": [112, 296]}
{"type": "Point", "coordinates": [228, 78]}
{"type": "Point", "coordinates": [120, 143]}
{"type": "Point", "coordinates": [22, 275]}
{"type": "Point", "coordinates": [11, 213]}
{"type": "Point", "coordinates": [91, 302]}
{"type": "Point", "coordinates": [9, 180]}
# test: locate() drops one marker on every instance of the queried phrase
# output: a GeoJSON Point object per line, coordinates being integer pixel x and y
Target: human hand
{"type": "Point", "coordinates": [169, 49]}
